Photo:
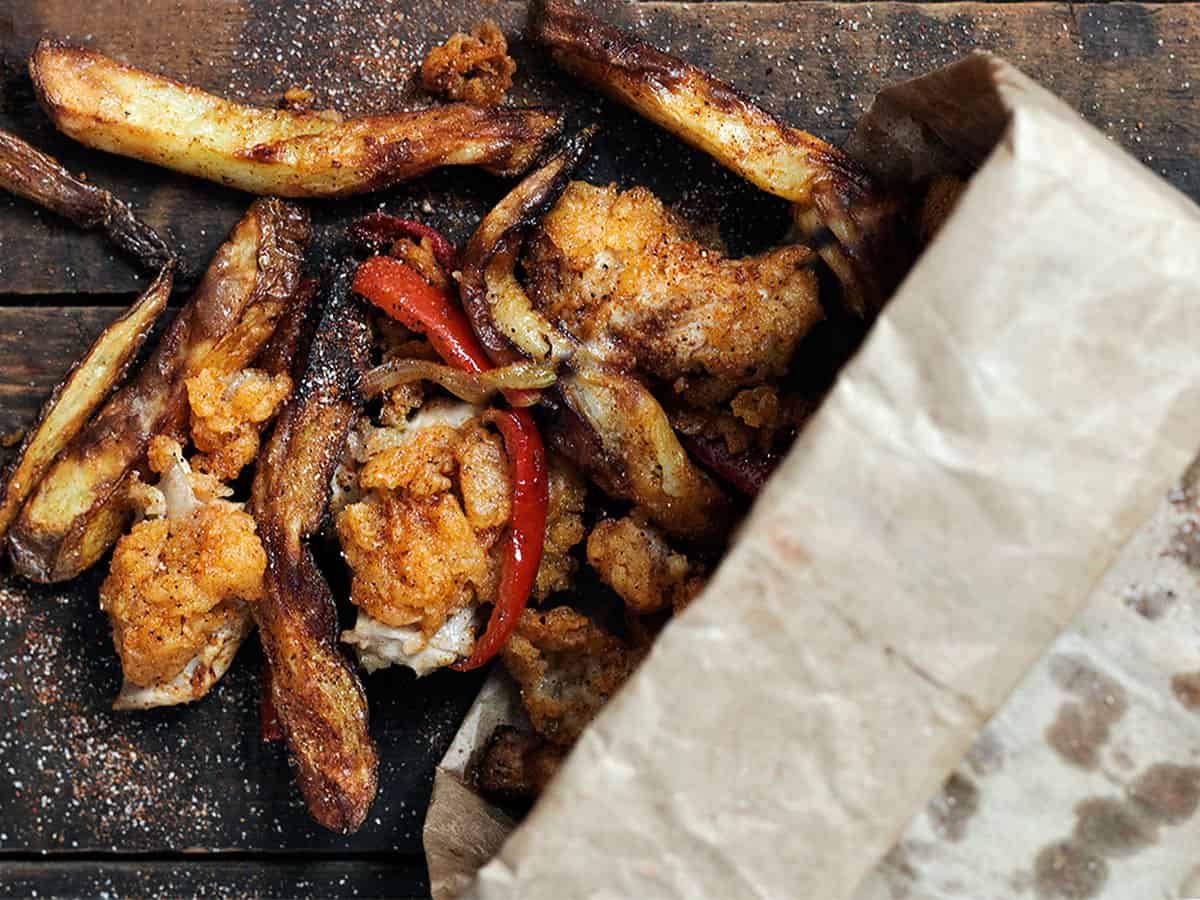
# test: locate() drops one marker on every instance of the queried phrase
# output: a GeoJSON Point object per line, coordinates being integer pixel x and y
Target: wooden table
{"type": "Point", "coordinates": [188, 800]}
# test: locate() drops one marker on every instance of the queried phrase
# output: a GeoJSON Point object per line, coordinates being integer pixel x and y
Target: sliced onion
{"type": "Point", "coordinates": [473, 388]}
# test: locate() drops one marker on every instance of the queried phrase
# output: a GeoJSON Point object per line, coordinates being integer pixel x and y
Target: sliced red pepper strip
{"type": "Point", "coordinates": [747, 472]}
{"type": "Point", "coordinates": [399, 291]}
{"type": "Point", "coordinates": [403, 294]}
{"type": "Point", "coordinates": [377, 230]}
{"type": "Point", "coordinates": [526, 533]}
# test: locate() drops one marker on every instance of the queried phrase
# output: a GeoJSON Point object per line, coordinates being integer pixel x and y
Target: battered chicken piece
{"type": "Point", "coordinates": [472, 67]}
{"type": "Point", "coordinates": [517, 765]}
{"type": "Point", "coordinates": [423, 541]}
{"type": "Point", "coordinates": [178, 585]}
{"type": "Point", "coordinates": [631, 556]}
{"type": "Point", "coordinates": [228, 411]}
{"type": "Point", "coordinates": [567, 667]}
{"type": "Point", "coordinates": [627, 278]}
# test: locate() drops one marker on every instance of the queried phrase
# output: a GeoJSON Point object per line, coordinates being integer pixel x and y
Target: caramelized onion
{"type": "Point", "coordinates": [473, 388]}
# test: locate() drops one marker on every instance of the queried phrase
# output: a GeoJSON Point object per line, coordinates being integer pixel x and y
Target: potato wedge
{"type": "Point", "coordinates": [834, 197]}
{"type": "Point", "coordinates": [87, 384]}
{"type": "Point", "coordinates": [30, 173]}
{"type": "Point", "coordinates": [79, 509]}
{"type": "Point", "coordinates": [316, 695]}
{"type": "Point", "coordinates": [104, 104]}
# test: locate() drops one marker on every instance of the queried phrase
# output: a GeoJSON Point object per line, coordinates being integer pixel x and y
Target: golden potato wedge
{"type": "Point", "coordinates": [81, 392]}
{"type": "Point", "coordinates": [79, 509]}
{"type": "Point", "coordinates": [104, 104]}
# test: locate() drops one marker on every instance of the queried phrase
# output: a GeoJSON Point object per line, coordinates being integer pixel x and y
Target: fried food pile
{"type": "Point", "coordinates": [531, 449]}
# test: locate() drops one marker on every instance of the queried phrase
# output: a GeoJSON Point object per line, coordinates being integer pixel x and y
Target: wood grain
{"type": "Point", "coordinates": [1129, 68]}
{"type": "Point", "coordinates": [194, 876]}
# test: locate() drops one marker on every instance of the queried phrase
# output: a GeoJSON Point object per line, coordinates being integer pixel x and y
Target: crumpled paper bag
{"type": "Point", "coordinates": [1018, 408]}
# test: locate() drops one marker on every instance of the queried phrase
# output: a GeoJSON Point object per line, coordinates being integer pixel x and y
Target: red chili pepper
{"type": "Point", "coordinates": [399, 291]}
{"type": "Point", "coordinates": [379, 229]}
{"type": "Point", "coordinates": [403, 294]}
{"type": "Point", "coordinates": [526, 533]}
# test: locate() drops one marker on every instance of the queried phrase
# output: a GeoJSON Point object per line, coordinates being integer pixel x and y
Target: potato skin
{"type": "Point", "coordinates": [79, 510]}
{"type": "Point", "coordinates": [104, 104]}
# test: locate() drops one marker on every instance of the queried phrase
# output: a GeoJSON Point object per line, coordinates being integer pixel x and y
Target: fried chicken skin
{"type": "Point", "coordinates": [178, 586]}
{"type": "Point", "coordinates": [423, 539]}
{"type": "Point", "coordinates": [628, 279]}
{"type": "Point", "coordinates": [475, 67]}
{"type": "Point", "coordinates": [567, 668]}
{"type": "Point", "coordinates": [517, 765]}
{"type": "Point", "coordinates": [227, 413]}
{"type": "Point", "coordinates": [633, 558]}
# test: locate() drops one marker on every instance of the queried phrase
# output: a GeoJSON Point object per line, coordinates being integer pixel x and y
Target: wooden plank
{"type": "Point", "coordinates": [76, 776]}
{"type": "Point", "coordinates": [225, 878]}
{"type": "Point", "coordinates": [37, 347]}
{"type": "Point", "coordinates": [1130, 68]}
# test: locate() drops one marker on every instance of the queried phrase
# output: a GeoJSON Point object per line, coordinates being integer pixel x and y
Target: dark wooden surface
{"type": "Point", "coordinates": [183, 801]}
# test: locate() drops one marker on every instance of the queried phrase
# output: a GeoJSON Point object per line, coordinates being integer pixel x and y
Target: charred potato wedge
{"type": "Point", "coordinates": [501, 314]}
{"type": "Point", "coordinates": [104, 104]}
{"type": "Point", "coordinates": [604, 420]}
{"type": "Point", "coordinates": [79, 509]}
{"type": "Point", "coordinates": [831, 192]}
{"type": "Point", "coordinates": [316, 695]}
{"type": "Point", "coordinates": [30, 173]}
{"type": "Point", "coordinates": [81, 392]}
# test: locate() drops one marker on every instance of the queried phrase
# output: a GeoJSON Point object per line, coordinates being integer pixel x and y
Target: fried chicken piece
{"type": "Point", "coordinates": [423, 538]}
{"type": "Point", "coordinates": [517, 765]}
{"type": "Point", "coordinates": [472, 67]}
{"type": "Point", "coordinates": [564, 528]}
{"type": "Point", "coordinates": [178, 582]}
{"type": "Point", "coordinates": [228, 412]}
{"type": "Point", "coordinates": [628, 278]}
{"type": "Point", "coordinates": [567, 667]}
{"type": "Point", "coordinates": [420, 257]}
{"type": "Point", "coordinates": [415, 560]}
{"type": "Point", "coordinates": [631, 556]}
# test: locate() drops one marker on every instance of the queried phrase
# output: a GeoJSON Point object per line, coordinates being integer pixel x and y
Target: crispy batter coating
{"type": "Point", "coordinates": [567, 667]}
{"type": "Point", "coordinates": [628, 278]}
{"type": "Point", "coordinates": [564, 528]}
{"type": "Point", "coordinates": [415, 559]}
{"type": "Point", "coordinates": [228, 412]}
{"type": "Point", "coordinates": [420, 257]}
{"type": "Point", "coordinates": [631, 556]}
{"type": "Point", "coordinates": [517, 765]}
{"type": "Point", "coordinates": [472, 67]}
{"type": "Point", "coordinates": [424, 539]}
{"type": "Point", "coordinates": [174, 583]}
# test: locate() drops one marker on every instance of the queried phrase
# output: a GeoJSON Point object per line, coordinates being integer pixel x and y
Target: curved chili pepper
{"type": "Point", "coordinates": [746, 472]}
{"type": "Point", "coordinates": [379, 229]}
{"type": "Point", "coordinates": [397, 289]}
{"type": "Point", "coordinates": [403, 294]}
{"type": "Point", "coordinates": [526, 533]}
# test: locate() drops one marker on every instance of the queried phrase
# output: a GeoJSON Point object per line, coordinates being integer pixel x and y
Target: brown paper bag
{"type": "Point", "coordinates": [1014, 415]}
